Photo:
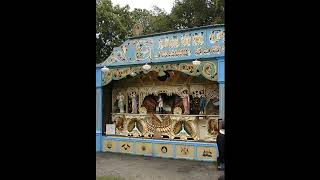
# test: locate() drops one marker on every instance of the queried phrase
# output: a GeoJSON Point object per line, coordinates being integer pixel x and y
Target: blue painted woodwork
{"type": "Point", "coordinates": [204, 43]}
{"type": "Point", "coordinates": [195, 43]}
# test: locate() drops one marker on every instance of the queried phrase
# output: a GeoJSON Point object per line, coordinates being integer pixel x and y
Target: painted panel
{"type": "Point", "coordinates": [143, 148]}
{"type": "Point", "coordinates": [98, 77]}
{"type": "Point", "coordinates": [183, 151]}
{"type": "Point", "coordinates": [110, 146]}
{"type": "Point", "coordinates": [98, 142]}
{"type": "Point", "coordinates": [221, 70]}
{"type": "Point", "coordinates": [206, 153]}
{"type": "Point", "coordinates": [126, 146]}
{"type": "Point", "coordinates": [161, 148]}
{"type": "Point", "coordinates": [98, 109]}
{"type": "Point", "coordinates": [221, 100]}
{"type": "Point", "coordinates": [203, 42]}
{"type": "Point", "coordinates": [164, 150]}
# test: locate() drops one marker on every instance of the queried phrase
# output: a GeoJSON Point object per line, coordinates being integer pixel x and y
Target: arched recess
{"type": "Point", "coordinates": [207, 69]}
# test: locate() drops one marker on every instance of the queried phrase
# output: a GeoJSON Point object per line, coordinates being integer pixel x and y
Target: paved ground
{"type": "Point", "coordinates": [133, 167]}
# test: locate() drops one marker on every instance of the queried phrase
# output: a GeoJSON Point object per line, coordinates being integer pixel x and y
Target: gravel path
{"type": "Point", "coordinates": [133, 167]}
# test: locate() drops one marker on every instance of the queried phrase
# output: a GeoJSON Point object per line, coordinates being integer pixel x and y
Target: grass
{"type": "Point", "coordinates": [109, 178]}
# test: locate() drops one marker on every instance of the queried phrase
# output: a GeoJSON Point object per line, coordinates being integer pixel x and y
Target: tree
{"type": "Point", "coordinates": [154, 21]}
{"type": "Point", "coordinates": [161, 21]}
{"type": "Point", "coordinates": [112, 26]}
{"type": "Point", "coordinates": [143, 17]}
{"type": "Point", "coordinates": [193, 13]}
{"type": "Point", "coordinates": [218, 11]}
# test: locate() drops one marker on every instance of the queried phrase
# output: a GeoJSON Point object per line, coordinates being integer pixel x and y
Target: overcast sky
{"type": "Point", "coordinates": [146, 4]}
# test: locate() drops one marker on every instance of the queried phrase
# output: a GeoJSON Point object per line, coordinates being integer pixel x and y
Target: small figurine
{"type": "Point", "coordinates": [160, 101]}
{"type": "Point", "coordinates": [203, 102]}
{"type": "Point", "coordinates": [186, 102]}
{"type": "Point", "coordinates": [120, 99]}
{"type": "Point", "coordinates": [134, 103]}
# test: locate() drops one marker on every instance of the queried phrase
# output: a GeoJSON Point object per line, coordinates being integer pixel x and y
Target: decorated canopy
{"type": "Point", "coordinates": [168, 51]}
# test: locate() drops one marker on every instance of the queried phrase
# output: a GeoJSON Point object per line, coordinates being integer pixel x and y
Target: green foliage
{"type": "Point", "coordinates": [114, 24]}
{"type": "Point", "coordinates": [193, 13]}
{"type": "Point", "coordinates": [144, 17]}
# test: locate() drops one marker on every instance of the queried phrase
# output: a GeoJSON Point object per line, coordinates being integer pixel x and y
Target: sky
{"type": "Point", "coordinates": [145, 4]}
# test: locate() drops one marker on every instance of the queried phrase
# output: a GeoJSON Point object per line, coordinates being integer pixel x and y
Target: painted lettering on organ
{"type": "Point", "coordinates": [173, 53]}
{"type": "Point", "coordinates": [174, 45]}
{"type": "Point", "coordinates": [215, 49]}
{"type": "Point", "coordinates": [169, 42]}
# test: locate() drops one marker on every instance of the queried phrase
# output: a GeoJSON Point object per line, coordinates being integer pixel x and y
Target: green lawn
{"type": "Point", "coordinates": [109, 178]}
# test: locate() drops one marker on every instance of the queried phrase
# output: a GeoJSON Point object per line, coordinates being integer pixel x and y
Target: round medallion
{"type": "Point", "coordinates": [137, 29]}
{"type": "Point", "coordinates": [164, 149]}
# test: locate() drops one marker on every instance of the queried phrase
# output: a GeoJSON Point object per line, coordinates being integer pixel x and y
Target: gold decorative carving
{"type": "Point", "coordinates": [177, 110]}
{"type": "Point", "coordinates": [170, 125]}
{"type": "Point", "coordinates": [137, 29]}
{"type": "Point", "coordinates": [207, 69]}
{"type": "Point", "coordinates": [143, 110]}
